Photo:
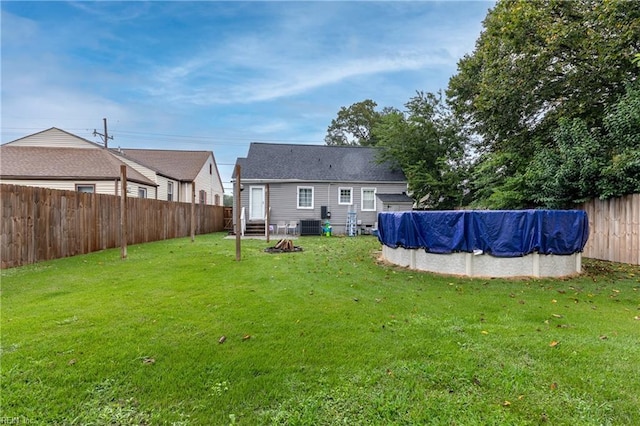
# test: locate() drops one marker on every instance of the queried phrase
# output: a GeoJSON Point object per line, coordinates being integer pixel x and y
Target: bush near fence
{"type": "Point", "coordinates": [42, 224]}
{"type": "Point", "coordinates": [614, 229]}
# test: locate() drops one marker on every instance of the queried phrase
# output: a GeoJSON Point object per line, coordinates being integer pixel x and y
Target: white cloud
{"type": "Point", "coordinates": [270, 128]}
{"type": "Point", "coordinates": [203, 81]}
{"type": "Point", "coordinates": [305, 47]}
{"type": "Point", "coordinates": [292, 53]}
{"type": "Point", "coordinates": [104, 11]}
{"type": "Point", "coordinates": [17, 30]}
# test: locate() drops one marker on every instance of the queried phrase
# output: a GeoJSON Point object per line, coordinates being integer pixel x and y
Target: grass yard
{"type": "Point", "coordinates": [322, 337]}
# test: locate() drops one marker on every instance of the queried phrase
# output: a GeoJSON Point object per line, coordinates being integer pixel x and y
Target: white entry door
{"type": "Point", "coordinates": [256, 203]}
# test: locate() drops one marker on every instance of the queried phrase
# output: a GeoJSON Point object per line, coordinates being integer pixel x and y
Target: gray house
{"type": "Point", "coordinates": [301, 187]}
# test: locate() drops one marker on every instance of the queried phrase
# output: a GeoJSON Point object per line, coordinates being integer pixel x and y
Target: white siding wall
{"type": "Point", "coordinates": [216, 183]}
{"type": "Point", "coordinates": [146, 172]}
{"type": "Point", "coordinates": [162, 188]}
{"type": "Point", "coordinates": [102, 187]}
{"type": "Point", "coordinates": [54, 138]}
{"type": "Point", "coordinates": [209, 182]}
{"type": "Point", "coordinates": [132, 190]}
{"type": "Point", "coordinates": [184, 192]}
{"type": "Point", "coordinates": [110, 187]}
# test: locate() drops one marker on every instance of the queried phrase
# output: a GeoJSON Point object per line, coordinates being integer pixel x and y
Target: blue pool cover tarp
{"type": "Point", "coordinates": [501, 233]}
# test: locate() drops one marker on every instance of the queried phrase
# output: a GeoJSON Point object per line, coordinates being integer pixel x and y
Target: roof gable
{"type": "Point", "coordinates": [54, 138]}
{"type": "Point", "coordinates": [316, 163]}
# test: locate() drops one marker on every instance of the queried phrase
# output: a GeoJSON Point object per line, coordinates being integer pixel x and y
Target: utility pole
{"type": "Point", "coordinates": [236, 199]}
{"type": "Point", "coordinates": [105, 137]}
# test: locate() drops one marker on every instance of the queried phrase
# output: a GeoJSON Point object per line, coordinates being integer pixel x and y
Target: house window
{"type": "Point", "coordinates": [305, 197]}
{"type": "Point", "coordinates": [169, 191]}
{"type": "Point", "coordinates": [368, 199]}
{"type": "Point", "coordinates": [90, 189]}
{"type": "Point", "coordinates": [210, 168]}
{"type": "Point", "coordinates": [345, 196]}
{"type": "Point", "coordinates": [217, 198]}
{"type": "Point", "coordinates": [203, 196]}
{"type": "Point", "coordinates": [142, 192]}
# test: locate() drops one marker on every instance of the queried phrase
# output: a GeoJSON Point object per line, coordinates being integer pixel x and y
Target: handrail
{"type": "Point", "coordinates": [266, 224]}
{"type": "Point", "coordinates": [243, 221]}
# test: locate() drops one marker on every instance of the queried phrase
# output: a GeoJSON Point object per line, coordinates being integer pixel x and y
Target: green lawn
{"type": "Point", "coordinates": [322, 337]}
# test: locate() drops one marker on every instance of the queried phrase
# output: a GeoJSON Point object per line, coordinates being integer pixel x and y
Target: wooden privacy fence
{"type": "Point", "coordinates": [41, 224]}
{"type": "Point", "coordinates": [614, 229]}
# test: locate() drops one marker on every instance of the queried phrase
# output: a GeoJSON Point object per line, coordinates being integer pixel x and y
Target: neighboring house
{"type": "Point", "coordinates": [308, 185]}
{"type": "Point", "coordinates": [175, 171]}
{"type": "Point", "coordinates": [58, 159]}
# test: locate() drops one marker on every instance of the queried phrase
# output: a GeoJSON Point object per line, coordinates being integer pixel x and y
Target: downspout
{"type": "Point", "coordinates": [329, 198]}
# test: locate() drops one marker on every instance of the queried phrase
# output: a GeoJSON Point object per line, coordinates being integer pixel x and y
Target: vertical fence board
{"type": "Point", "coordinates": [40, 224]}
{"type": "Point", "coordinates": [614, 229]}
{"type": "Point", "coordinates": [31, 235]}
{"type": "Point", "coordinates": [635, 229]}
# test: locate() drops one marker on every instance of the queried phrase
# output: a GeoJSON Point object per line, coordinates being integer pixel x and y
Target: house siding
{"type": "Point", "coordinates": [144, 171]}
{"type": "Point", "coordinates": [208, 182]}
{"type": "Point", "coordinates": [162, 188]}
{"type": "Point", "coordinates": [109, 187]}
{"type": "Point", "coordinates": [55, 138]}
{"type": "Point", "coordinates": [102, 187]}
{"type": "Point", "coordinates": [283, 201]}
{"type": "Point", "coordinates": [132, 190]}
{"type": "Point", "coordinates": [205, 181]}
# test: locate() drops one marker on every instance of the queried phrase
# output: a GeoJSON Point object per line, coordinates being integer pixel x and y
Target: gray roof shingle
{"type": "Point", "coordinates": [394, 198]}
{"type": "Point", "coordinates": [267, 161]}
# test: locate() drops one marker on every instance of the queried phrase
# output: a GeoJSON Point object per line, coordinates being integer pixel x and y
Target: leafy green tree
{"type": "Point", "coordinates": [538, 63]}
{"type": "Point", "coordinates": [566, 173]}
{"type": "Point", "coordinates": [492, 185]}
{"type": "Point", "coordinates": [588, 162]}
{"type": "Point", "coordinates": [353, 125]}
{"type": "Point", "coordinates": [621, 174]}
{"type": "Point", "coordinates": [427, 143]}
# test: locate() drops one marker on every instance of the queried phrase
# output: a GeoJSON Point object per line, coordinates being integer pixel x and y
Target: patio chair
{"type": "Point", "coordinates": [292, 228]}
{"type": "Point", "coordinates": [281, 225]}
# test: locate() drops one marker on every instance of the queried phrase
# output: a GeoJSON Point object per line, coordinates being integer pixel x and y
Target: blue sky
{"type": "Point", "coordinates": [220, 75]}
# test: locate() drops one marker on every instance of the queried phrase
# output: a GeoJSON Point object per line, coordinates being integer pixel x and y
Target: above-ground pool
{"type": "Point", "coordinates": [498, 243]}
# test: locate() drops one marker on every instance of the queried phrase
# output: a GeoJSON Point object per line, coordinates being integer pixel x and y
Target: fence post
{"type": "Point", "coordinates": [193, 211]}
{"type": "Point", "coordinates": [123, 212]}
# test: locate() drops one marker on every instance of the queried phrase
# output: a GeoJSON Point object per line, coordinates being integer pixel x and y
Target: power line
{"type": "Point", "coordinates": [149, 135]}
{"type": "Point", "coordinates": [209, 138]}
